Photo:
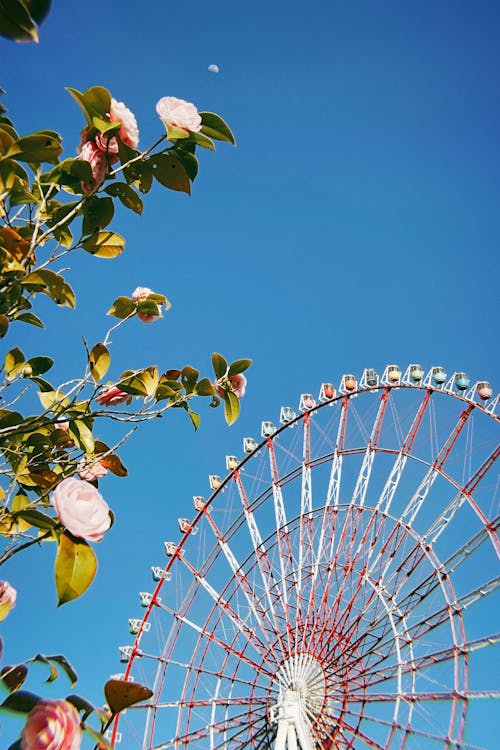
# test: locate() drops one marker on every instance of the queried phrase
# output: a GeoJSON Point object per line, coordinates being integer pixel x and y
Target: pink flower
{"type": "Point", "coordinates": [139, 295]}
{"type": "Point", "coordinates": [235, 383]}
{"type": "Point", "coordinates": [62, 426]}
{"type": "Point", "coordinates": [91, 470]}
{"type": "Point", "coordinates": [97, 160]}
{"type": "Point", "coordinates": [179, 113]}
{"type": "Point", "coordinates": [52, 725]}
{"type": "Point", "coordinates": [128, 133]}
{"type": "Point", "coordinates": [8, 596]}
{"type": "Point", "coordinates": [112, 396]}
{"type": "Point", "coordinates": [81, 509]}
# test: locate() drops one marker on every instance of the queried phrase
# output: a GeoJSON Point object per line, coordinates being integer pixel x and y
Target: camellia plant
{"type": "Point", "coordinates": [51, 461]}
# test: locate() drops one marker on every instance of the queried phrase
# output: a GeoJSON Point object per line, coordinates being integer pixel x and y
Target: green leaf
{"type": "Point", "coordinates": [122, 307]}
{"type": "Point", "coordinates": [126, 194]}
{"type": "Point", "coordinates": [82, 705]}
{"type": "Point", "coordinates": [148, 307]}
{"type": "Point", "coordinates": [39, 9]}
{"type": "Point", "coordinates": [4, 325]}
{"type": "Point", "coordinates": [171, 173]}
{"type": "Point", "coordinates": [65, 665]}
{"type": "Point", "coordinates": [195, 419]}
{"type": "Point", "coordinates": [104, 244]}
{"type": "Point", "coordinates": [215, 127]}
{"type": "Point", "coordinates": [219, 364]}
{"type": "Point", "coordinates": [35, 517]}
{"type": "Point", "coordinates": [105, 126]}
{"type": "Point", "coordinates": [188, 160]}
{"type": "Point", "coordinates": [95, 102]}
{"type": "Point", "coordinates": [53, 672]}
{"type": "Point", "coordinates": [99, 360]}
{"type": "Point", "coordinates": [231, 407]}
{"type": "Point", "coordinates": [68, 172]}
{"type": "Point", "coordinates": [15, 21]}
{"type": "Point", "coordinates": [13, 677]}
{"type": "Point", "coordinates": [202, 140]}
{"type": "Point", "coordinates": [39, 147]}
{"type": "Point", "coordinates": [189, 377]}
{"type": "Point", "coordinates": [97, 213]}
{"type": "Point", "coordinates": [239, 365]}
{"type": "Point", "coordinates": [30, 318]}
{"type": "Point", "coordinates": [40, 365]}
{"type": "Point", "coordinates": [82, 435]}
{"type": "Point", "coordinates": [51, 284]}
{"type": "Point", "coordinates": [120, 694]}
{"type": "Point", "coordinates": [75, 568]}
{"type": "Point", "coordinates": [20, 702]}
{"type": "Point", "coordinates": [204, 388]}
{"type": "Point", "coordinates": [175, 133]}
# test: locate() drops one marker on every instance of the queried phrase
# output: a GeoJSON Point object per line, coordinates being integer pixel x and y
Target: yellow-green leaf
{"type": "Point", "coordinates": [215, 127]}
{"type": "Point", "coordinates": [82, 435]}
{"type": "Point", "coordinates": [99, 360]}
{"type": "Point", "coordinates": [104, 244]}
{"type": "Point", "coordinates": [75, 568]}
{"type": "Point", "coordinates": [231, 407]}
{"type": "Point", "coordinates": [171, 173]}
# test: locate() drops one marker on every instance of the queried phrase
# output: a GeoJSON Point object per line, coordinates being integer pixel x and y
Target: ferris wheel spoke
{"type": "Point", "coordinates": [214, 639]}
{"type": "Point", "coordinates": [392, 483]}
{"type": "Point", "coordinates": [261, 615]}
{"type": "Point", "coordinates": [227, 610]}
{"type": "Point", "coordinates": [410, 512]}
{"type": "Point", "coordinates": [273, 598]}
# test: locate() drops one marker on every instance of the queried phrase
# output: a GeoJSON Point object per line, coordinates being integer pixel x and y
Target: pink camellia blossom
{"type": "Point", "coordinates": [81, 509]}
{"type": "Point", "coordinates": [8, 596]}
{"type": "Point", "coordinates": [91, 470]}
{"type": "Point", "coordinates": [128, 133]}
{"type": "Point", "coordinates": [97, 160]}
{"type": "Point", "coordinates": [112, 396]}
{"type": "Point", "coordinates": [62, 426]}
{"type": "Point", "coordinates": [139, 295]}
{"type": "Point", "coordinates": [235, 383]}
{"type": "Point", "coordinates": [179, 113]}
{"type": "Point", "coordinates": [52, 725]}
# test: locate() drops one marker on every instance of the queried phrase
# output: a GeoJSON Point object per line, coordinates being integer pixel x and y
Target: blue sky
{"type": "Point", "coordinates": [356, 223]}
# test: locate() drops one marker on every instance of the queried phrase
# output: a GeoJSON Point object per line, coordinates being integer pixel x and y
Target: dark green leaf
{"type": "Point", "coordinates": [39, 365]}
{"type": "Point", "coordinates": [81, 704]}
{"type": "Point", "coordinates": [20, 702]}
{"type": "Point", "coordinates": [126, 194]}
{"type": "Point", "coordinates": [39, 9]}
{"type": "Point", "coordinates": [75, 568]}
{"type": "Point", "coordinates": [13, 677]}
{"type": "Point", "coordinates": [219, 365]}
{"type": "Point", "coordinates": [97, 213]}
{"type": "Point", "coordinates": [239, 365]}
{"type": "Point", "coordinates": [215, 127]}
{"type": "Point", "coordinates": [65, 666]}
{"type": "Point", "coordinates": [120, 694]}
{"type": "Point", "coordinates": [189, 377]}
{"type": "Point", "coordinates": [202, 140]}
{"type": "Point", "coordinates": [30, 318]}
{"type": "Point", "coordinates": [16, 22]}
{"type": "Point", "coordinates": [171, 173]}
{"type": "Point", "coordinates": [188, 160]}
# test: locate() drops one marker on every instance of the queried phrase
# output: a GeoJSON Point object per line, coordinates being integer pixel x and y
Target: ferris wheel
{"type": "Point", "coordinates": [339, 587]}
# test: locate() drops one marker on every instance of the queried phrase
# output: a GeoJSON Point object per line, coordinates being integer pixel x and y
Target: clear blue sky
{"type": "Point", "coordinates": [355, 224]}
